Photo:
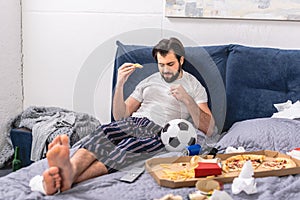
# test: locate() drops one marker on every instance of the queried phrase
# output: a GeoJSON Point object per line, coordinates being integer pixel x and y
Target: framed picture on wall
{"type": "Point", "coordinates": [235, 9]}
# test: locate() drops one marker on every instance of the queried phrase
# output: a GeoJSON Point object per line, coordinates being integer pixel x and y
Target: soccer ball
{"type": "Point", "coordinates": [177, 134]}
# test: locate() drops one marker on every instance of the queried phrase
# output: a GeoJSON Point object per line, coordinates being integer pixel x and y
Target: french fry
{"type": "Point", "coordinates": [167, 166]}
{"type": "Point", "coordinates": [179, 175]}
{"type": "Point", "coordinates": [185, 171]}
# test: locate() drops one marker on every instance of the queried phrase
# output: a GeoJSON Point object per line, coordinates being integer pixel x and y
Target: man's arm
{"type": "Point", "coordinates": [200, 113]}
{"type": "Point", "coordinates": [202, 116]}
{"type": "Point", "coordinates": [123, 108]}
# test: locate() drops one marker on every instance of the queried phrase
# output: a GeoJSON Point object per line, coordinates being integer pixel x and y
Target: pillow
{"type": "Point", "coordinates": [257, 78]}
{"type": "Point", "coordinates": [264, 133]}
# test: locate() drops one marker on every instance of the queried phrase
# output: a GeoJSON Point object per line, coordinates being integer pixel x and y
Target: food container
{"type": "Point", "coordinates": [154, 167]}
{"type": "Point", "coordinates": [207, 169]}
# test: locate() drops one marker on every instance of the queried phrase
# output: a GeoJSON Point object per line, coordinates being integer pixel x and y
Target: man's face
{"type": "Point", "coordinates": [169, 67]}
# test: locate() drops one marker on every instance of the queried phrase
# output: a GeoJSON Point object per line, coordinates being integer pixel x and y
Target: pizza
{"type": "Point", "coordinates": [259, 163]}
{"type": "Point", "coordinates": [236, 163]}
{"type": "Point", "coordinates": [137, 65]}
{"type": "Point", "coordinates": [278, 163]}
{"type": "Point", "coordinates": [256, 160]}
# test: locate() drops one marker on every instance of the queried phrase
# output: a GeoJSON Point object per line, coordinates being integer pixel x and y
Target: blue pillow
{"type": "Point", "coordinates": [259, 77]}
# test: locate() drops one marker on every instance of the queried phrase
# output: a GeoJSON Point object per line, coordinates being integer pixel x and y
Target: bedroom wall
{"type": "Point", "coordinates": [62, 39]}
{"type": "Point", "coordinates": [11, 97]}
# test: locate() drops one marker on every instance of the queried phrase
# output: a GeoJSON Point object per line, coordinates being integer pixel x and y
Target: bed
{"type": "Point", "coordinates": [243, 107]}
{"type": "Point", "coordinates": [279, 135]}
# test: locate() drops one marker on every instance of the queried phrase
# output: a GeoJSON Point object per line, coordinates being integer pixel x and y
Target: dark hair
{"type": "Point", "coordinates": [165, 45]}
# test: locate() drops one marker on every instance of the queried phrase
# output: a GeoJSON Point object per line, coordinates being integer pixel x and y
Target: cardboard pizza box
{"type": "Point", "coordinates": [154, 167]}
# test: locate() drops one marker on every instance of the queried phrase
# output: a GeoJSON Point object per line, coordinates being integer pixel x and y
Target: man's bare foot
{"type": "Point", "coordinates": [58, 156]}
{"type": "Point", "coordinates": [55, 141]}
{"type": "Point", "coordinates": [52, 180]}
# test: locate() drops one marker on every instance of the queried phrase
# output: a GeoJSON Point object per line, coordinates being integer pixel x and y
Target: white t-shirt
{"type": "Point", "coordinates": [158, 105]}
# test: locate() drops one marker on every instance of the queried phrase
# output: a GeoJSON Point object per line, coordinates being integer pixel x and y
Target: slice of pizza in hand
{"type": "Point", "coordinates": [137, 65]}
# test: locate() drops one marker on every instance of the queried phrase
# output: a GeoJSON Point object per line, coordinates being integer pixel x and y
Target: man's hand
{"type": "Point", "coordinates": [200, 113]}
{"type": "Point", "coordinates": [179, 92]}
{"type": "Point", "coordinates": [121, 108]}
{"type": "Point", "coordinates": [124, 72]}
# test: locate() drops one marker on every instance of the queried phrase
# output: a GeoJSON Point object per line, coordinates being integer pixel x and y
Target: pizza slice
{"type": "Point", "coordinates": [278, 163]}
{"type": "Point", "coordinates": [236, 163]}
{"type": "Point", "coordinates": [233, 164]}
{"type": "Point", "coordinates": [137, 65]}
{"type": "Point", "coordinates": [256, 160]}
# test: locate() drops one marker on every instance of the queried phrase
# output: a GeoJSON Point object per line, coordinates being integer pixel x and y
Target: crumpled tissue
{"type": "Point", "coordinates": [287, 110]}
{"type": "Point", "coordinates": [220, 195]}
{"type": "Point", "coordinates": [36, 184]}
{"type": "Point", "coordinates": [245, 181]}
{"type": "Point", "coordinates": [295, 153]}
{"type": "Point", "coordinates": [231, 149]}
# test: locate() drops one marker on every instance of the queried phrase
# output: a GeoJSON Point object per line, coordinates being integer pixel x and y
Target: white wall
{"type": "Point", "coordinates": [69, 45]}
{"type": "Point", "coordinates": [10, 64]}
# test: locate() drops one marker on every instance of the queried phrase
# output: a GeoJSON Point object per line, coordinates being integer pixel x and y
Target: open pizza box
{"type": "Point", "coordinates": [154, 167]}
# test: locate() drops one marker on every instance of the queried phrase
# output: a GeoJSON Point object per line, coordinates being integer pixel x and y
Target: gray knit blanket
{"type": "Point", "coordinates": [46, 123]}
{"type": "Point", "coordinates": [7, 150]}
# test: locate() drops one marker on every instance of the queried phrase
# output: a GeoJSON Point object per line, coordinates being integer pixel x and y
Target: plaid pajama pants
{"type": "Point", "coordinates": [121, 143]}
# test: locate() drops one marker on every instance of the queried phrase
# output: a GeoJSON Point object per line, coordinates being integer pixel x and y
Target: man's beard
{"type": "Point", "coordinates": [173, 77]}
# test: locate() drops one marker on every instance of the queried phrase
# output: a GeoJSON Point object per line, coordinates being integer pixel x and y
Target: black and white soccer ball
{"type": "Point", "coordinates": [178, 134]}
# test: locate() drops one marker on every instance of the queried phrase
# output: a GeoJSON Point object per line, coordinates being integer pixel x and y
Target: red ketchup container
{"type": "Point", "coordinates": [207, 169]}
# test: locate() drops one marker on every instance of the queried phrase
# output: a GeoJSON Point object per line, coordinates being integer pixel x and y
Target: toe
{"type": "Point", "coordinates": [53, 170]}
{"type": "Point", "coordinates": [54, 142]}
{"type": "Point", "coordinates": [64, 140]}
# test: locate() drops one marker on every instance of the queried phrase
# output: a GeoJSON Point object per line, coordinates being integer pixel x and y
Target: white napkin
{"type": "Point", "coordinates": [220, 195]}
{"type": "Point", "coordinates": [36, 184]}
{"type": "Point", "coordinates": [294, 153]}
{"type": "Point", "coordinates": [245, 182]}
{"type": "Point", "coordinates": [282, 106]}
{"type": "Point", "coordinates": [287, 110]}
{"type": "Point", "coordinates": [231, 149]}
